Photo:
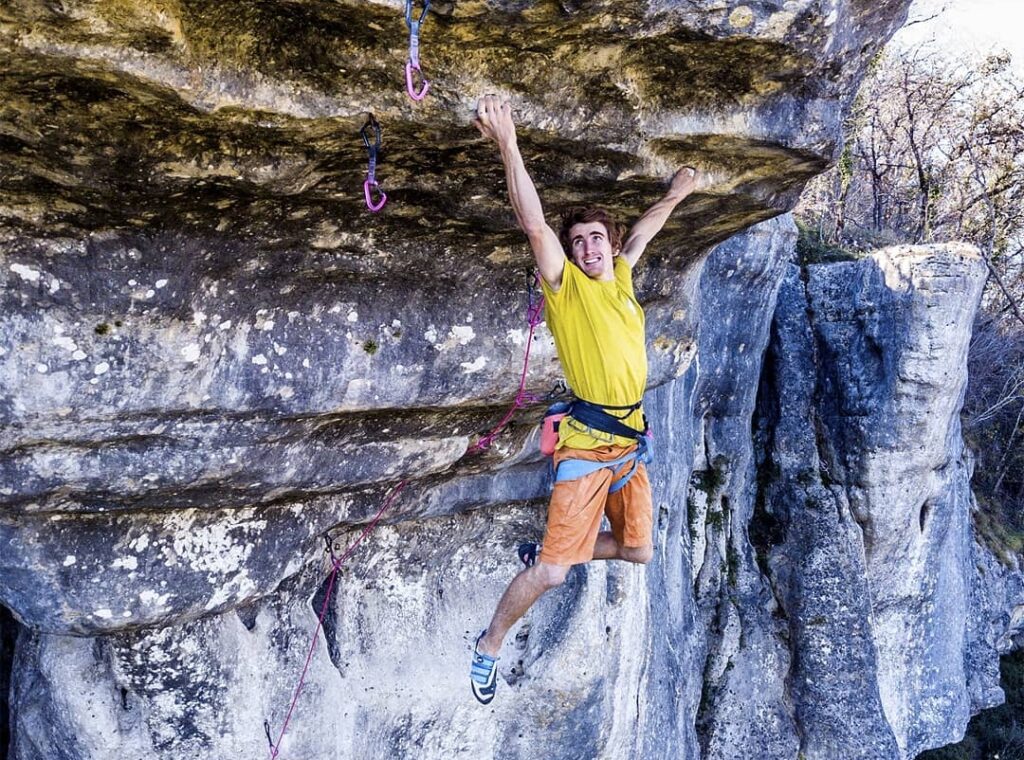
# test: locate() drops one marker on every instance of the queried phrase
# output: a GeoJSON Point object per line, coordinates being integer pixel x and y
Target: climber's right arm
{"type": "Point", "coordinates": [494, 120]}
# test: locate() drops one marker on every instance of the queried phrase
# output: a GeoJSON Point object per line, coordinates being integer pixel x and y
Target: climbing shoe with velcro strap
{"type": "Point", "coordinates": [528, 553]}
{"type": "Point", "coordinates": [483, 674]}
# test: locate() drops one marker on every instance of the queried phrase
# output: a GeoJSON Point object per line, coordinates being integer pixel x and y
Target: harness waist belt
{"type": "Point", "coordinates": [594, 416]}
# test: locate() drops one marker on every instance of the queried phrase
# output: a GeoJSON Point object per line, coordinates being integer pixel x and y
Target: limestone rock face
{"type": "Point", "coordinates": [239, 120]}
{"type": "Point", "coordinates": [862, 521]}
{"type": "Point", "coordinates": [205, 330]}
{"type": "Point", "coordinates": [608, 666]}
{"type": "Point", "coordinates": [766, 626]}
{"type": "Point", "coordinates": [211, 355]}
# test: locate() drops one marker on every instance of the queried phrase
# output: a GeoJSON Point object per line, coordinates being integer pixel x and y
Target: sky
{"type": "Point", "coordinates": [967, 26]}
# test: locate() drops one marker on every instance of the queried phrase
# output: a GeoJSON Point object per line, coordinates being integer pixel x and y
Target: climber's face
{"type": "Point", "coordinates": [591, 250]}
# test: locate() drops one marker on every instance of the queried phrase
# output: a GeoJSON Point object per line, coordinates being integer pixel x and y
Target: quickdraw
{"type": "Point", "coordinates": [413, 63]}
{"type": "Point", "coordinates": [371, 129]}
{"type": "Point", "coordinates": [336, 563]}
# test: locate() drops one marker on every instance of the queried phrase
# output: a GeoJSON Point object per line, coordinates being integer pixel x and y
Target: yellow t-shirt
{"type": "Point", "coordinates": [599, 335]}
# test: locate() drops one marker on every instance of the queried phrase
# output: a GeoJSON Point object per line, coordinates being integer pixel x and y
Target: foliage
{"type": "Point", "coordinates": [934, 152]}
{"type": "Point", "coordinates": [999, 531]}
{"type": "Point", "coordinates": [993, 418]}
{"type": "Point", "coordinates": [812, 249]}
{"type": "Point", "coordinates": [710, 480]}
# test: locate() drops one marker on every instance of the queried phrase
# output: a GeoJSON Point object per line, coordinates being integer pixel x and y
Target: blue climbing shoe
{"type": "Point", "coordinates": [528, 553]}
{"type": "Point", "coordinates": [483, 675]}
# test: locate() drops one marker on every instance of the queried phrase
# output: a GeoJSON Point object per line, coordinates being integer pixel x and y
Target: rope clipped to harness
{"type": "Point", "coordinates": [413, 63]}
{"type": "Point", "coordinates": [336, 563]}
{"type": "Point", "coordinates": [371, 134]}
{"type": "Point", "coordinates": [534, 316]}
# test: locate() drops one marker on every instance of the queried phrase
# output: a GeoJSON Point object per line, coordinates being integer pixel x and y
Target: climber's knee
{"type": "Point", "coordinates": [548, 575]}
{"type": "Point", "coordinates": [638, 554]}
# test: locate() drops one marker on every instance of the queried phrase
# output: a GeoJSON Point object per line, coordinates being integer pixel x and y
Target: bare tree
{"type": "Point", "coordinates": [920, 133]}
{"type": "Point", "coordinates": [935, 152]}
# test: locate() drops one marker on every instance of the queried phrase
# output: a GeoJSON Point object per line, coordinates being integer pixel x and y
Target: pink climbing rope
{"type": "Point", "coordinates": [534, 314]}
{"type": "Point", "coordinates": [275, 747]}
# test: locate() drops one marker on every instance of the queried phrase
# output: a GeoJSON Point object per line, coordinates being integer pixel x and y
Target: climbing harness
{"type": "Point", "coordinates": [413, 63]}
{"type": "Point", "coordinates": [336, 563]}
{"type": "Point", "coordinates": [595, 417]}
{"type": "Point", "coordinates": [534, 312]}
{"type": "Point", "coordinates": [371, 139]}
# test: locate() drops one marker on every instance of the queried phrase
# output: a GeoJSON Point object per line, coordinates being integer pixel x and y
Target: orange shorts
{"type": "Point", "coordinates": [576, 508]}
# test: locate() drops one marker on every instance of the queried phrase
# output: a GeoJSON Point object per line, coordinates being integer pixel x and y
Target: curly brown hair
{"type": "Point", "coordinates": [585, 215]}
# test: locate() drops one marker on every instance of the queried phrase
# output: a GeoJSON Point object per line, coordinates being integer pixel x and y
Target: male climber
{"type": "Point", "coordinates": [598, 327]}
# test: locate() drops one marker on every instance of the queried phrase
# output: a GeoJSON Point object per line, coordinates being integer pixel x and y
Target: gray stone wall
{"type": "Point", "coordinates": [800, 601]}
{"type": "Point", "coordinates": [211, 355]}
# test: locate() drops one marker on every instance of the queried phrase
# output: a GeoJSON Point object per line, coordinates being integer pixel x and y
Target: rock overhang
{"type": "Point", "coordinates": [200, 309]}
{"type": "Point", "coordinates": [242, 118]}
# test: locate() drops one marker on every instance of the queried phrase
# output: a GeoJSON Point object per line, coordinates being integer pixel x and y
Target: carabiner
{"type": "Point", "coordinates": [374, 125]}
{"type": "Point", "coordinates": [329, 540]}
{"type": "Point", "coordinates": [409, 82]}
{"type": "Point", "coordinates": [368, 194]}
{"type": "Point", "coordinates": [408, 14]}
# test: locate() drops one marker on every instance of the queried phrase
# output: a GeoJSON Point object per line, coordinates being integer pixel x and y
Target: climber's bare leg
{"type": "Point", "coordinates": [608, 548]}
{"type": "Point", "coordinates": [525, 589]}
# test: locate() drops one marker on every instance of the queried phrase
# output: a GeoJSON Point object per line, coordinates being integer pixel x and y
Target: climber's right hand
{"type": "Point", "coordinates": [494, 120]}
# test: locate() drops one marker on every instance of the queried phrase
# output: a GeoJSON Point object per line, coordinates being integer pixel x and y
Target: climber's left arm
{"type": "Point", "coordinates": [647, 226]}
